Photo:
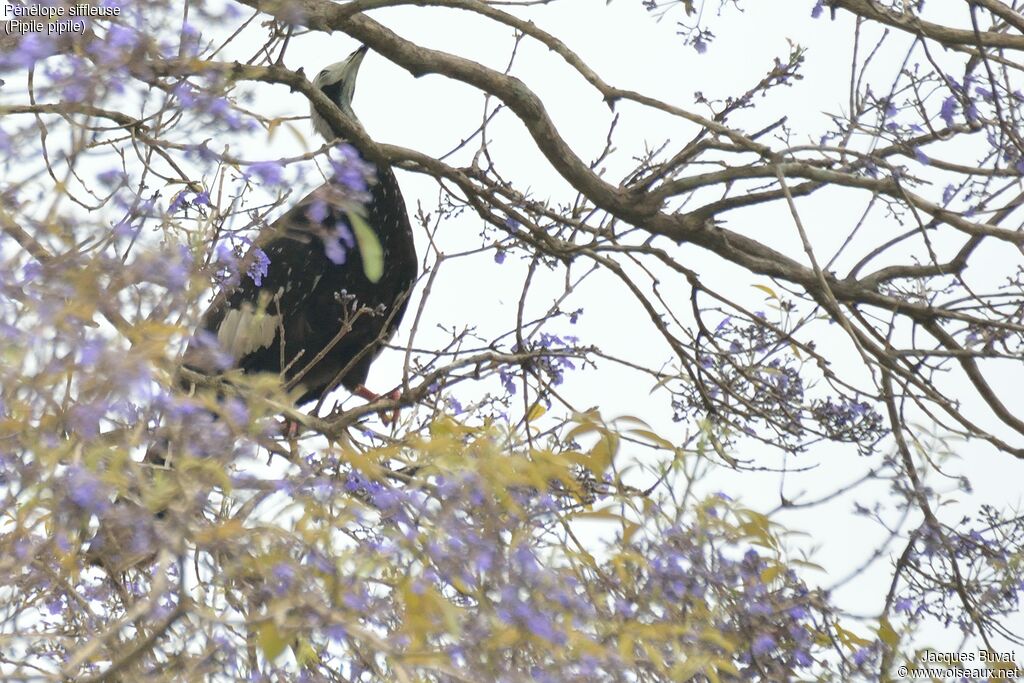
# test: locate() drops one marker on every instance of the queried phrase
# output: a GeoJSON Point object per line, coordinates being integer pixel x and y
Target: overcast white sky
{"type": "Point", "coordinates": [623, 43]}
{"type": "Point", "coordinates": [628, 48]}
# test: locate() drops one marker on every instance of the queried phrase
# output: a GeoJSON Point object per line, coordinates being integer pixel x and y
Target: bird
{"type": "Point", "coordinates": [339, 272]}
{"type": "Point", "coordinates": [338, 280]}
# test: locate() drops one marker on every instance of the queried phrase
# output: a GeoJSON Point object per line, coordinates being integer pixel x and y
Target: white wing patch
{"type": "Point", "coordinates": [249, 328]}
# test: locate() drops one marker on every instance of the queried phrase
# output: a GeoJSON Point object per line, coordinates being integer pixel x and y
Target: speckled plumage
{"type": "Point", "coordinates": [319, 322]}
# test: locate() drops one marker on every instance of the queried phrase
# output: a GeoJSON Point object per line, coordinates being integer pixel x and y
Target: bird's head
{"type": "Point", "coordinates": [338, 82]}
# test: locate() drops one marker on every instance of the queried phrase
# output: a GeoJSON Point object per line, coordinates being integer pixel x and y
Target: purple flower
{"type": "Point", "coordinates": [84, 419]}
{"type": "Point", "coordinates": [226, 254]}
{"type": "Point", "coordinates": [202, 152]}
{"type": "Point", "coordinates": [483, 560]}
{"type": "Point", "coordinates": [700, 46]}
{"type": "Point", "coordinates": [202, 199]}
{"type": "Point", "coordinates": [227, 262]}
{"type": "Point", "coordinates": [85, 490]}
{"type": "Point", "coordinates": [111, 177]}
{"type": "Point", "coordinates": [269, 172]}
{"type": "Point", "coordinates": [188, 31]}
{"type": "Point", "coordinates": [817, 9]}
{"type": "Point", "coordinates": [178, 202]}
{"type": "Point", "coordinates": [508, 380]}
{"type": "Point", "coordinates": [541, 626]}
{"type": "Point", "coordinates": [121, 38]}
{"type": "Point", "coordinates": [259, 266]}
{"type": "Point", "coordinates": [123, 228]}
{"type": "Point", "coordinates": [333, 247]}
{"type": "Point", "coordinates": [903, 605]}
{"type": "Point", "coordinates": [762, 644]}
{"type": "Point", "coordinates": [349, 176]}
{"type": "Point", "coordinates": [89, 353]}
{"type": "Point", "coordinates": [55, 605]}
{"type": "Point", "coordinates": [185, 94]}
{"type": "Point", "coordinates": [31, 48]}
{"type": "Point", "coordinates": [948, 109]}
{"type": "Point", "coordinates": [523, 556]}
{"type": "Point", "coordinates": [284, 575]}
{"type": "Point", "coordinates": [236, 411]}
{"type": "Point", "coordinates": [220, 108]}
{"type": "Point", "coordinates": [172, 270]}
{"type": "Point", "coordinates": [948, 194]}
{"type": "Point", "coordinates": [350, 170]}
{"type": "Point", "coordinates": [921, 156]}
{"type": "Point", "coordinates": [499, 256]}
{"type": "Point", "coordinates": [317, 211]}
{"type": "Point", "coordinates": [76, 91]}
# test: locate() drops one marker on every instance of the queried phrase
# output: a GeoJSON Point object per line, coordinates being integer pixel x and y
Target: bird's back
{"type": "Point", "coordinates": [317, 316]}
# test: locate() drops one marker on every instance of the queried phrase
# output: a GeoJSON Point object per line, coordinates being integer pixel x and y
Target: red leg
{"type": "Point", "coordinates": [387, 417]}
{"type": "Point", "coordinates": [289, 429]}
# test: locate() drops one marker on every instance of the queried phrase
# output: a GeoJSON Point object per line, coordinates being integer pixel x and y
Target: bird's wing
{"type": "Point", "coordinates": [250, 326]}
{"type": "Point", "coordinates": [248, 318]}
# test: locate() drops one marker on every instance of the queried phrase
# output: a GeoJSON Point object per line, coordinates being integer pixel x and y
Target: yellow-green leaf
{"type": "Point", "coordinates": [770, 573]}
{"type": "Point", "coordinates": [887, 633]}
{"type": "Point", "coordinates": [653, 438]}
{"type": "Point", "coordinates": [271, 641]}
{"type": "Point", "coordinates": [369, 246]}
{"type": "Point", "coordinates": [305, 653]}
{"type": "Point", "coordinates": [272, 127]}
{"type": "Point", "coordinates": [851, 639]}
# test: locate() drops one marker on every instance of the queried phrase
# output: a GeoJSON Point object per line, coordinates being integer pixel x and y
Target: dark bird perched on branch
{"type": "Point", "coordinates": [339, 269]}
{"type": "Point", "coordinates": [338, 280]}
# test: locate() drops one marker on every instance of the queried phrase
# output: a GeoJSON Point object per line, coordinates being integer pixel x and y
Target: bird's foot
{"type": "Point", "coordinates": [285, 428]}
{"type": "Point", "coordinates": [388, 417]}
{"type": "Point", "coordinates": [291, 429]}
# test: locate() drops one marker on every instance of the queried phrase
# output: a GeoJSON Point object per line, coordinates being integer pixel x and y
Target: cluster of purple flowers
{"type": "Point", "coordinates": [851, 421]}
{"type": "Point", "coordinates": [219, 109]}
{"type": "Point", "coordinates": [983, 550]}
{"type": "Point", "coordinates": [752, 375]}
{"type": "Point", "coordinates": [349, 169]}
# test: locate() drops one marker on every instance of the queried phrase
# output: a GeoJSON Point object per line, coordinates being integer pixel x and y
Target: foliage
{"type": "Point", "coordinates": [505, 529]}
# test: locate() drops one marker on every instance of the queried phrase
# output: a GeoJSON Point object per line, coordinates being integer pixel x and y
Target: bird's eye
{"type": "Point", "coordinates": [323, 72]}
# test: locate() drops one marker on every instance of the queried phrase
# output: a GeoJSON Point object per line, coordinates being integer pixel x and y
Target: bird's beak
{"type": "Point", "coordinates": [348, 78]}
{"type": "Point", "coordinates": [338, 81]}
{"type": "Point", "coordinates": [354, 60]}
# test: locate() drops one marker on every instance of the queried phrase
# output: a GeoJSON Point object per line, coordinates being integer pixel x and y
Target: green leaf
{"type": "Point", "coordinates": [369, 246]}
